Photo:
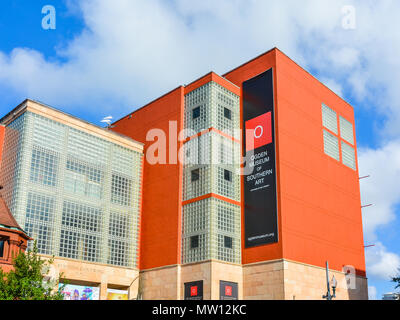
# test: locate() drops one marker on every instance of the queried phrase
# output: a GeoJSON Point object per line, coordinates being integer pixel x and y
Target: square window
{"type": "Point", "coordinates": [196, 113]}
{"type": "Point", "coordinates": [228, 175]}
{"type": "Point", "coordinates": [194, 242]}
{"type": "Point", "coordinates": [195, 175]}
{"type": "Point", "coordinates": [228, 113]}
{"type": "Point", "coordinates": [228, 243]}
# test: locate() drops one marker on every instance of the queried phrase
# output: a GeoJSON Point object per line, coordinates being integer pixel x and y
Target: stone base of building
{"type": "Point", "coordinates": [289, 280]}
{"type": "Point", "coordinates": [96, 275]}
{"type": "Point", "coordinates": [270, 280]}
{"type": "Point", "coordinates": [168, 283]}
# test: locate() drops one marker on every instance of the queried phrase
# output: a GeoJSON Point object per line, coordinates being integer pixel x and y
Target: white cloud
{"type": "Point", "coordinates": [372, 293]}
{"type": "Point", "coordinates": [382, 188]}
{"type": "Point", "coordinates": [381, 263]}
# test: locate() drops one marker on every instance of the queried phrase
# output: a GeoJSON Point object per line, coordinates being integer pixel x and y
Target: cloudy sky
{"type": "Point", "coordinates": [111, 57]}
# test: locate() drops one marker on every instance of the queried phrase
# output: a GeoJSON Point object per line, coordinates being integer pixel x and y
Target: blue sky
{"type": "Point", "coordinates": [110, 57]}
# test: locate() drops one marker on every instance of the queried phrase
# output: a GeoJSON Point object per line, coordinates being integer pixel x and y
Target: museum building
{"type": "Point", "coordinates": [252, 189]}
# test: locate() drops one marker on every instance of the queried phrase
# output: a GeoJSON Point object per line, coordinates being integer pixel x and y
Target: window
{"type": "Point", "coordinates": [195, 175]}
{"type": "Point", "coordinates": [194, 242]}
{"type": "Point", "coordinates": [39, 220]}
{"type": "Point", "coordinates": [346, 130]}
{"type": "Point", "coordinates": [329, 119]}
{"type": "Point", "coordinates": [228, 175]}
{"type": "Point", "coordinates": [196, 113]}
{"type": "Point", "coordinates": [348, 156]}
{"type": "Point", "coordinates": [121, 190]}
{"type": "Point", "coordinates": [1, 248]}
{"type": "Point", "coordinates": [331, 145]}
{"type": "Point", "coordinates": [80, 236]}
{"type": "Point", "coordinates": [118, 252]}
{"type": "Point", "coordinates": [83, 179]}
{"type": "Point", "coordinates": [43, 167]}
{"type": "Point", "coordinates": [228, 242]}
{"type": "Point", "coordinates": [228, 113]}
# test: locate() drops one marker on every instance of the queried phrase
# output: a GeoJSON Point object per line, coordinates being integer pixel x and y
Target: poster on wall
{"type": "Point", "coordinates": [194, 290]}
{"type": "Point", "coordinates": [228, 290]}
{"type": "Point", "coordinates": [75, 292]}
{"type": "Point", "coordinates": [117, 294]}
{"type": "Point", "coordinates": [260, 196]}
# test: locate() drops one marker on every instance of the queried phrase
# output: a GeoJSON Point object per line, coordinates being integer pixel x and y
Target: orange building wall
{"type": "Point", "coordinates": [162, 183]}
{"type": "Point", "coordinates": [320, 197]}
{"type": "Point", "coordinates": [319, 208]}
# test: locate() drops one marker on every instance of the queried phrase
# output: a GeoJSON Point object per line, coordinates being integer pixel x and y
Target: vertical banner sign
{"type": "Point", "coordinates": [260, 197]}
{"type": "Point", "coordinates": [228, 290]}
{"type": "Point", "coordinates": [194, 290]}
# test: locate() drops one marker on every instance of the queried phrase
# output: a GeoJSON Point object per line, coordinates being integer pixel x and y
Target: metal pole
{"type": "Point", "coordinates": [328, 294]}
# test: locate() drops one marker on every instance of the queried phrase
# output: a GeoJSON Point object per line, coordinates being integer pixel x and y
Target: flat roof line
{"type": "Point", "coordinates": [149, 103]}
{"type": "Point", "coordinates": [247, 62]}
{"type": "Point", "coordinates": [67, 114]}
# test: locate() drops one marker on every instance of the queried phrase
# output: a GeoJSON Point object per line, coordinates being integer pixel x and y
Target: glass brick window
{"type": "Point", "coordinates": [80, 231]}
{"type": "Point", "coordinates": [225, 248]}
{"type": "Point", "coordinates": [206, 223]}
{"type": "Point", "coordinates": [348, 156]}
{"type": "Point", "coordinates": [83, 179]}
{"type": "Point", "coordinates": [39, 220]}
{"type": "Point", "coordinates": [331, 145]}
{"type": "Point", "coordinates": [212, 106]}
{"type": "Point", "coordinates": [121, 190]}
{"type": "Point", "coordinates": [44, 166]}
{"type": "Point", "coordinates": [226, 217]}
{"type": "Point", "coordinates": [332, 142]}
{"type": "Point", "coordinates": [329, 119]}
{"type": "Point", "coordinates": [119, 225]}
{"type": "Point", "coordinates": [227, 183]}
{"type": "Point", "coordinates": [346, 130]}
{"type": "Point", "coordinates": [120, 249]}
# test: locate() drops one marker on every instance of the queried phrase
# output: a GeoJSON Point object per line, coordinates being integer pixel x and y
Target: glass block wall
{"type": "Point", "coordinates": [213, 107]}
{"type": "Point", "coordinates": [214, 222]}
{"type": "Point", "coordinates": [211, 227]}
{"type": "Point", "coordinates": [77, 194]}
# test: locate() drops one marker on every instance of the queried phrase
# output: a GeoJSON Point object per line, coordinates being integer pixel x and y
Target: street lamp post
{"type": "Point", "coordinates": [328, 295]}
